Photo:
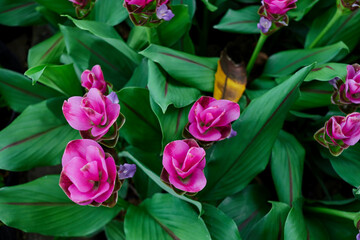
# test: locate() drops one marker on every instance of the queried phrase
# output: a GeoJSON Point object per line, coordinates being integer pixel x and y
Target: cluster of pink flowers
{"type": "Point", "coordinates": [89, 175]}
{"type": "Point", "coordinates": [273, 14]}
{"type": "Point", "coordinates": [184, 160]}
{"type": "Point", "coordinates": [341, 132]}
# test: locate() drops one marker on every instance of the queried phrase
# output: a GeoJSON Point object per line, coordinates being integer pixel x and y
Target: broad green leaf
{"type": "Point", "coordinates": [316, 229]}
{"type": "Point", "coordinates": [111, 12]}
{"type": "Point", "coordinates": [140, 75]}
{"type": "Point", "coordinates": [246, 207]}
{"type": "Point", "coordinates": [164, 217]}
{"type": "Point", "coordinates": [166, 91]}
{"type": "Point", "coordinates": [244, 20]}
{"type": "Point", "coordinates": [270, 227]}
{"type": "Point", "coordinates": [19, 93]}
{"type": "Point", "coordinates": [48, 51]}
{"type": "Point", "coordinates": [219, 225]}
{"type": "Point", "coordinates": [286, 62]}
{"type": "Point", "coordinates": [86, 50]}
{"type": "Point", "coordinates": [345, 29]}
{"type": "Point", "coordinates": [109, 35]}
{"type": "Point", "coordinates": [244, 160]}
{"type": "Point", "coordinates": [172, 122]}
{"type": "Point", "coordinates": [302, 8]}
{"type": "Point", "coordinates": [157, 180]}
{"type": "Point", "coordinates": [191, 4]}
{"type": "Point", "coordinates": [19, 13]}
{"type": "Point", "coordinates": [314, 94]}
{"type": "Point", "coordinates": [170, 32]}
{"type": "Point", "coordinates": [42, 207]}
{"type": "Point", "coordinates": [58, 6]}
{"type": "Point", "coordinates": [61, 78]}
{"type": "Point", "coordinates": [327, 71]}
{"type": "Point", "coordinates": [137, 39]}
{"type": "Point", "coordinates": [194, 71]}
{"type": "Point", "coordinates": [347, 165]}
{"type": "Point", "coordinates": [295, 226]}
{"type": "Point", "coordinates": [144, 185]}
{"type": "Point", "coordinates": [36, 138]}
{"type": "Point", "coordinates": [114, 230]}
{"type": "Point", "coordinates": [287, 164]}
{"type": "Point", "coordinates": [141, 128]}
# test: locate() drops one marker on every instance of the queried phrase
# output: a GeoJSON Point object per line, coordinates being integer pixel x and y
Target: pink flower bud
{"type": "Point", "coordinates": [352, 84]}
{"type": "Point", "coordinates": [94, 79]}
{"type": "Point", "coordinates": [81, 3]}
{"type": "Point", "coordinates": [184, 162]}
{"type": "Point", "coordinates": [344, 131]}
{"type": "Point", "coordinates": [279, 7]}
{"type": "Point", "coordinates": [141, 3]}
{"type": "Point", "coordinates": [210, 119]}
{"type": "Point", "coordinates": [89, 174]}
{"type": "Point", "coordinates": [93, 112]}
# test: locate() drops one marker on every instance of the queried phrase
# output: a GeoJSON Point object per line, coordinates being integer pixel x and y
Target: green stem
{"type": "Point", "coordinates": [334, 19]}
{"type": "Point", "coordinates": [255, 54]}
{"type": "Point", "coordinates": [332, 212]}
{"type": "Point", "coordinates": [149, 33]}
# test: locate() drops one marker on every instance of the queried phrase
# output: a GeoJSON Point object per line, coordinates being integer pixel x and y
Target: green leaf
{"type": "Point", "coordinates": [166, 91]}
{"type": "Point", "coordinates": [58, 6]}
{"type": "Point", "coordinates": [172, 122]}
{"type": "Point", "coordinates": [140, 75]}
{"type": "Point", "coordinates": [209, 6]}
{"type": "Point", "coordinates": [19, 93]}
{"type": "Point", "coordinates": [61, 78]}
{"type": "Point", "coordinates": [144, 185]}
{"type": "Point", "coordinates": [244, 20]}
{"type": "Point", "coordinates": [271, 226]}
{"type": "Point", "coordinates": [36, 138]}
{"type": "Point", "coordinates": [219, 225]}
{"type": "Point", "coordinates": [115, 230]}
{"type": "Point", "coordinates": [109, 11]}
{"type": "Point", "coordinates": [194, 71]}
{"type": "Point", "coordinates": [109, 35]}
{"type": "Point", "coordinates": [141, 128]}
{"type": "Point", "coordinates": [19, 13]}
{"type": "Point", "coordinates": [243, 158]}
{"type": "Point", "coordinates": [42, 207]}
{"type": "Point", "coordinates": [164, 217]}
{"type": "Point", "coordinates": [345, 29]}
{"type": "Point", "coordinates": [286, 62]}
{"type": "Point", "coordinates": [302, 8]}
{"type": "Point", "coordinates": [287, 164]}
{"type": "Point", "coordinates": [295, 226]}
{"type": "Point", "coordinates": [169, 32]}
{"type": "Point", "coordinates": [157, 180]}
{"type": "Point", "coordinates": [246, 207]}
{"type": "Point", "coordinates": [191, 5]}
{"type": "Point", "coordinates": [48, 51]}
{"type": "Point", "coordinates": [347, 165]}
{"type": "Point", "coordinates": [86, 50]}
{"type": "Point", "coordinates": [327, 71]}
{"type": "Point", "coordinates": [314, 94]}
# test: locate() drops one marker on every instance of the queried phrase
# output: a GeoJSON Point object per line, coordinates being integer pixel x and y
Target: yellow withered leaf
{"type": "Point", "coordinates": [230, 79]}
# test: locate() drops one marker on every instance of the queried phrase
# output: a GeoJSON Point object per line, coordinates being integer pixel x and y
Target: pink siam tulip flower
{"type": "Point", "coordinates": [279, 7]}
{"type": "Point", "coordinates": [184, 162]}
{"type": "Point", "coordinates": [94, 79]}
{"type": "Point", "coordinates": [352, 84]}
{"type": "Point", "coordinates": [94, 113]}
{"type": "Point", "coordinates": [141, 3]}
{"type": "Point", "coordinates": [210, 119]}
{"type": "Point", "coordinates": [89, 174]}
{"type": "Point", "coordinates": [344, 131]}
{"type": "Point", "coordinates": [81, 3]}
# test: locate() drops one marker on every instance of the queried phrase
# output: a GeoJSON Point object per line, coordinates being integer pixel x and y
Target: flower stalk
{"type": "Point", "coordinates": [256, 52]}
